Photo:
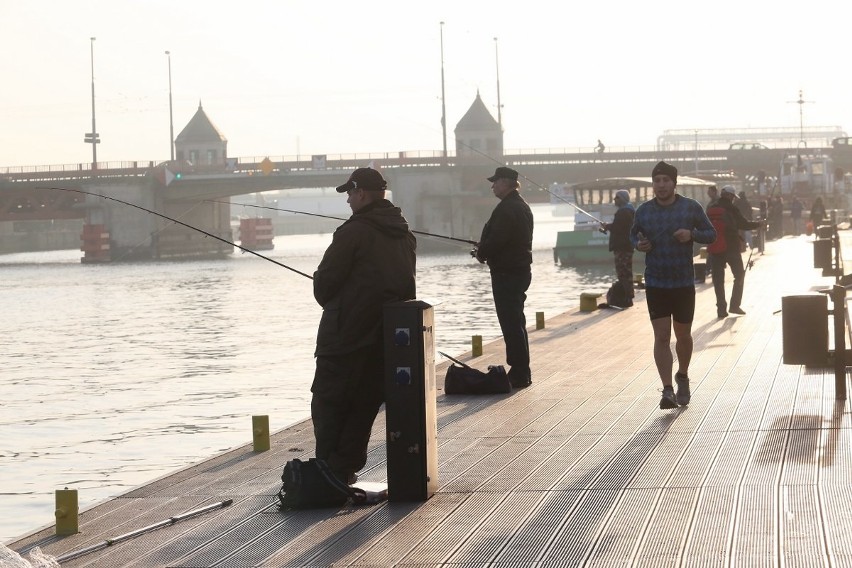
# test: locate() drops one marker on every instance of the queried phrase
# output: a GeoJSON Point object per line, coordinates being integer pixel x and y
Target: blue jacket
{"type": "Point", "coordinates": [669, 262]}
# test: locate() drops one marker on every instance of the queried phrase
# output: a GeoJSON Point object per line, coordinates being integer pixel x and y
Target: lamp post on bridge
{"type": "Point", "coordinates": [171, 115]}
{"type": "Point", "coordinates": [92, 137]}
{"type": "Point", "coordinates": [499, 106]}
{"type": "Point", "coordinates": [443, 97]}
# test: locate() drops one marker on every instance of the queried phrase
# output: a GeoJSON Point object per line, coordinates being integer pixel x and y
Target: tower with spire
{"type": "Point", "coordinates": [479, 137]}
{"type": "Point", "coordinates": [201, 143]}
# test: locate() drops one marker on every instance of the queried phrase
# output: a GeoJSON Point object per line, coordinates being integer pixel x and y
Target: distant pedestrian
{"type": "Point", "coordinates": [665, 229]}
{"type": "Point", "coordinates": [506, 245]}
{"type": "Point", "coordinates": [796, 208]}
{"type": "Point", "coordinates": [744, 206]}
{"type": "Point", "coordinates": [620, 245]}
{"type": "Point", "coordinates": [726, 250]}
{"type": "Point", "coordinates": [712, 195]}
{"type": "Point", "coordinates": [818, 213]}
{"type": "Point", "coordinates": [776, 217]}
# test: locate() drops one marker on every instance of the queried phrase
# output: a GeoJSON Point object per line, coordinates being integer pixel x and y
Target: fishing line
{"type": "Point", "coordinates": [466, 241]}
{"type": "Point", "coordinates": [218, 238]}
{"type": "Point", "coordinates": [541, 187]}
{"type": "Point", "coordinates": [156, 232]}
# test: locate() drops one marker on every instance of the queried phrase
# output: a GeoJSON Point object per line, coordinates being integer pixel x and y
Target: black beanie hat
{"type": "Point", "coordinates": [666, 170]}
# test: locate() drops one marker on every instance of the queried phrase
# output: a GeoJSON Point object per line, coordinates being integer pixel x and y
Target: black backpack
{"type": "Point", "coordinates": [617, 296]}
{"type": "Point", "coordinates": [312, 485]}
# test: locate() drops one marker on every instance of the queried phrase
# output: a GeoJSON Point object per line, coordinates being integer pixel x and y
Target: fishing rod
{"type": "Point", "coordinates": [218, 238]}
{"type": "Point", "coordinates": [127, 536]}
{"type": "Point", "coordinates": [466, 241]}
{"type": "Point", "coordinates": [541, 187]}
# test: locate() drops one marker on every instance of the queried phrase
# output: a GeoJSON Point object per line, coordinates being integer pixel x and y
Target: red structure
{"type": "Point", "coordinates": [95, 245]}
{"type": "Point", "coordinates": [256, 233]}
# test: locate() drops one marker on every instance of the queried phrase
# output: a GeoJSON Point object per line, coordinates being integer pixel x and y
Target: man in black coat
{"type": "Point", "coordinates": [506, 245]}
{"type": "Point", "coordinates": [371, 261]}
{"type": "Point", "coordinates": [728, 221]}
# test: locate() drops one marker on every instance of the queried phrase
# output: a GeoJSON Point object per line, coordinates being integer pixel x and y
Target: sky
{"type": "Point", "coordinates": [286, 78]}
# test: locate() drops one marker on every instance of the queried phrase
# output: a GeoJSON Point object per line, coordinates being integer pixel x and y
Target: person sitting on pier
{"type": "Point", "coordinates": [665, 228]}
{"type": "Point", "coordinates": [370, 261]}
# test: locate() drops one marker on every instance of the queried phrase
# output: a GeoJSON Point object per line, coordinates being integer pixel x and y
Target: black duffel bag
{"type": "Point", "coordinates": [312, 485]}
{"type": "Point", "coordinates": [464, 379]}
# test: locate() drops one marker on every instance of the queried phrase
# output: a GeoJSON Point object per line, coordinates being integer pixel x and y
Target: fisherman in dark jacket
{"type": "Point", "coordinates": [506, 245]}
{"type": "Point", "coordinates": [728, 221]}
{"type": "Point", "coordinates": [371, 261]}
{"type": "Point", "coordinates": [619, 242]}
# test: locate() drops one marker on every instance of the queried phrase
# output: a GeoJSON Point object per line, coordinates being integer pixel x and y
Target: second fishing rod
{"type": "Point", "coordinates": [455, 239]}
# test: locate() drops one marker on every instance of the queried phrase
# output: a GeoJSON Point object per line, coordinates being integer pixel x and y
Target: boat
{"type": "Point", "coordinates": [592, 203]}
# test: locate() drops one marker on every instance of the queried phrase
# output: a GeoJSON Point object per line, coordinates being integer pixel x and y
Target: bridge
{"type": "Point", "coordinates": [443, 195]}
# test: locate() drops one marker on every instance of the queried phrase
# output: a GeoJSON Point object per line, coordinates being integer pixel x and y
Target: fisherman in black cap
{"type": "Point", "coordinates": [665, 228]}
{"type": "Point", "coordinates": [371, 261]}
{"type": "Point", "coordinates": [506, 245]}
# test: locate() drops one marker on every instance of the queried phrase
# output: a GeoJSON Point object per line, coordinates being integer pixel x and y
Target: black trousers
{"type": "Point", "coordinates": [510, 293]}
{"type": "Point", "coordinates": [734, 259]}
{"type": "Point", "coordinates": [348, 391]}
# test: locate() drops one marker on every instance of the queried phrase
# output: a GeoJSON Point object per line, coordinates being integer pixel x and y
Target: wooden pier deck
{"type": "Point", "coordinates": [580, 469]}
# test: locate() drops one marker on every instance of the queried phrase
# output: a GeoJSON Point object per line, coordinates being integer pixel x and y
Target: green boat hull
{"type": "Point", "coordinates": [583, 247]}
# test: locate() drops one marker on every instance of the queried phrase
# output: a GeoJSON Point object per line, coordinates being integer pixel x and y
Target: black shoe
{"type": "Point", "coordinates": [668, 399]}
{"type": "Point", "coordinates": [722, 315]}
{"type": "Point", "coordinates": [683, 392]}
{"type": "Point", "coordinates": [520, 379]}
{"type": "Point", "coordinates": [737, 311]}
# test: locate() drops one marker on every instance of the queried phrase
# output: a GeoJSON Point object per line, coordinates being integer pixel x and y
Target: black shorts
{"type": "Point", "coordinates": [677, 303]}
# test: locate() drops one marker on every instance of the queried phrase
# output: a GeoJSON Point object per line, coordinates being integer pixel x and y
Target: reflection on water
{"type": "Point", "coordinates": [115, 375]}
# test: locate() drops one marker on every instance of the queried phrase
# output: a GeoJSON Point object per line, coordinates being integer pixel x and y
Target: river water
{"type": "Point", "coordinates": [114, 375]}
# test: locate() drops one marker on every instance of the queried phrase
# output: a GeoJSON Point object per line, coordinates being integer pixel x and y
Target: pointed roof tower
{"type": "Point", "coordinates": [479, 138]}
{"type": "Point", "coordinates": [477, 117]}
{"type": "Point", "coordinates": [200, 129]}
{"type": "Point", "coordinates": [200, 142]}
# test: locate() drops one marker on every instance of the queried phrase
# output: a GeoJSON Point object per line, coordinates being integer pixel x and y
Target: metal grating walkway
{"type": "Point", "coordinates": [581, 469]}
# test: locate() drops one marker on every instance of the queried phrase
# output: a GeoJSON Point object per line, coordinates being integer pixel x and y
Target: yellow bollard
{"type": "Point", "coordinates": [589, 301]}
{"type": "Point", "coordinates": [476, 349]}
{"type": "Point", "coordinates": [260, 433]}
{"type": "Point", "coordinates": [539, 320]}
{"type": "Point", "coordinates": [67, 512]}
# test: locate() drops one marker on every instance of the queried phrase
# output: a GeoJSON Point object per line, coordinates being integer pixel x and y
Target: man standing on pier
{"type": "Point", "coordinates": [665, 229]}
{"type": "Point", "coordinates": [506, 245]}
{"type": "Point", "coordinates": [726, 250]}
{"type": "Point", "coordinates": [620, 245]}
{"type": "Point", "coordinates": [371, 261]}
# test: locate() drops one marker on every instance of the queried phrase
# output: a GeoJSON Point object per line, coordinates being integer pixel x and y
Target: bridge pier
{"type": "Point", "coordinates": [134, 234]}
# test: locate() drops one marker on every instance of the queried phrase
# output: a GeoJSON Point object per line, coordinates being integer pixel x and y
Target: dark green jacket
{"type": "Point", "coordinates": [371, 261]}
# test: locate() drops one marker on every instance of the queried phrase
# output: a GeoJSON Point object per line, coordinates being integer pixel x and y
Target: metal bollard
{"type": "Point", "coordinates": [476, 346]}
{"type": "Point", "coordinates": [67, 512]}
{"type": "Point", "coordinates": [539, 320]}
{"type": "Point", "coordinates": [260, 433]}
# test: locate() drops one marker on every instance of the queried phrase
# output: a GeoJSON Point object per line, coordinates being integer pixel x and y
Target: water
{"type": "Point", "coordinates": [119, 374]}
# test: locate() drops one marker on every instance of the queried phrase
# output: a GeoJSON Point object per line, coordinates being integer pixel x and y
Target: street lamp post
{"type": "Point", "coordinates": [92, 137]}
{"type": "Point", "coordinates": [171, 115]}
{"type": "Point", "coordinates": [499, 106]}
{"type": "Point", "coordinates": [696, 152]}
{"type": "Point", "coordinates": [443, 98]}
